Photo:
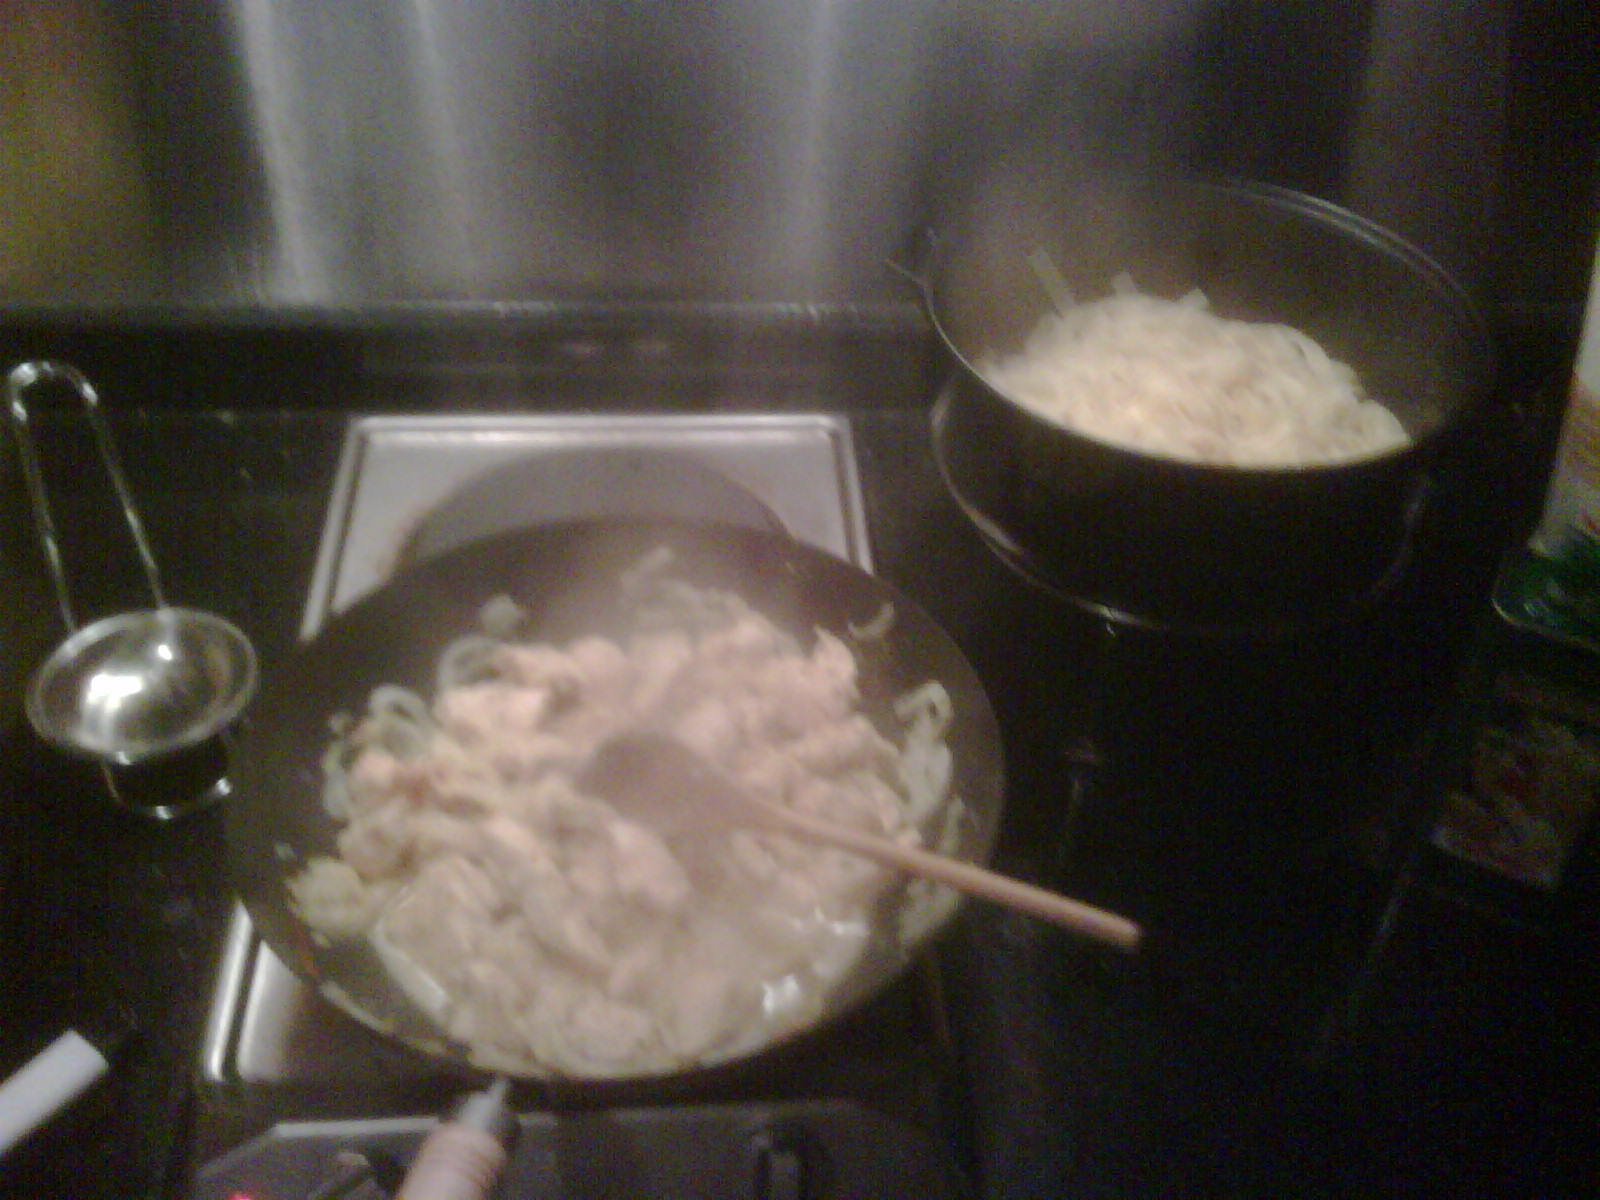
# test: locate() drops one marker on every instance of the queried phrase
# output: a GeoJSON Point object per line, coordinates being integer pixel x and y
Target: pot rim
{"type": "Point", "coordinates": [1476, 340]}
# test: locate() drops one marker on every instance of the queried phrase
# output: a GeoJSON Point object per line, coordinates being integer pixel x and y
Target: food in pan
{"type": "Point", "coordinates": [550, 933]}
{"type": "Point", "coordinates": [1173, 378]}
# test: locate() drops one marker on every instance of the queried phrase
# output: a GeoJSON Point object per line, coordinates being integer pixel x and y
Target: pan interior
{"type": "Point", "coordinates": [565, 577]}
{"type": "Point", "coordinates": [1258, 253]}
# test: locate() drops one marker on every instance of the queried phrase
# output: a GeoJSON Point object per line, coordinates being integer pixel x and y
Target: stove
{"type": "Point", "coordinates": [297, 1099]}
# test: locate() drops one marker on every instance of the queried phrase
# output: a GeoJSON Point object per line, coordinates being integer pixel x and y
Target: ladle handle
{"type": "Point", "coordinates": [967, 877]}
{"type": "Point", "coordinates": [23, 379]}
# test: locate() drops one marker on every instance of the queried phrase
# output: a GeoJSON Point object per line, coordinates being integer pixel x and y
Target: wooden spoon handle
{"type": "Point", "coordinates": [966, 877]}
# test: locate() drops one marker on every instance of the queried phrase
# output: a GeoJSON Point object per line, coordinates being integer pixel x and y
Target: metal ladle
{"type": "Point", "coordinates": [139, 687]}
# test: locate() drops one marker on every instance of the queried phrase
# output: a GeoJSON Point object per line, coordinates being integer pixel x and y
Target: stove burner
{"type": "Point", "coordinates": [576, 484]}
{"type": "Point", "coordinates": [396, 471]}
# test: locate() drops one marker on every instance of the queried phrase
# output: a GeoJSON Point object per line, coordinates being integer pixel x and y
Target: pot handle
{"type": "Point", "coordinates": [1417, 507]}
{"type": "Point", "coordinates": [909, 274]}
{"type": "Point", "coordinates": [924, 248]}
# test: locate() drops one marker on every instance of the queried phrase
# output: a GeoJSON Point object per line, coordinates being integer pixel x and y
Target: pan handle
{"type": "Point", "coordinates": [462, 1157]}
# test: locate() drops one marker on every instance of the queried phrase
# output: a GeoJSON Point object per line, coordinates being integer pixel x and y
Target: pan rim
{"type": "Point", "coordinates": [979, 780]}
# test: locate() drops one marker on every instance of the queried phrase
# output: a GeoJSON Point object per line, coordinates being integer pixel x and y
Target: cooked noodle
{"type": "Point", "coordinates": [1172, 378]}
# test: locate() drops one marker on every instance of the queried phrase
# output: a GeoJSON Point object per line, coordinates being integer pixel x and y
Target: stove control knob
{"type": "Point", "coordinates": [780, 1166]}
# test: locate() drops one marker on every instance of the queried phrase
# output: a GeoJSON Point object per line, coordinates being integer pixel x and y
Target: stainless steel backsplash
{"type": "Point", "coordinates": [352, 154]}
{"type": "Point", "coordinates": [368, 152]}
{"type": "Point", "coordinates": [365, 151]}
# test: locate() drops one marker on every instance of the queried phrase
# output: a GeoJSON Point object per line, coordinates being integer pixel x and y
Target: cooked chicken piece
{"type": "Point", "coordinates": [549, 931]}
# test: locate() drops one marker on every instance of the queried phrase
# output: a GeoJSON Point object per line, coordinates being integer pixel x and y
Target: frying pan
{"type": "Point", "coordinates": [565, 576]}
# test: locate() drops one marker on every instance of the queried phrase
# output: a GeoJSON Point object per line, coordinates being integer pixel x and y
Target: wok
{"type": "Point", "coordinates": [565, 576]}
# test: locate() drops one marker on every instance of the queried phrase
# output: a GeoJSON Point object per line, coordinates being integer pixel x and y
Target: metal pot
{"type": "Point", "coordinates": [1152, 540]}
{"type": "Point", "coordinates": [565, 576]}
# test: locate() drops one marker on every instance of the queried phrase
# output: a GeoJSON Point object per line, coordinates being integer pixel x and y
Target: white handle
{"type": "Point", "coordinates": [454, 1163]}
{"type": "Point", "coordinates": [51, 1080]}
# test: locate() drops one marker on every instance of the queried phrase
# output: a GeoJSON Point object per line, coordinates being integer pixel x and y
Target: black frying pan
{"type": "Point", "coordinates": [565, 575]}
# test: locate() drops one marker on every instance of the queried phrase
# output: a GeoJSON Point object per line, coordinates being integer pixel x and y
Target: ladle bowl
{"type": "Point", "coordinates": [135, 688]}
{"type": "Point", "coordinates": [138, 686]}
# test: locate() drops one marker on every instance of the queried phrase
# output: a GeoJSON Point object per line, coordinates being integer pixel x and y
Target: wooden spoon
{"type": "Point", "coordinates": [635, 770]}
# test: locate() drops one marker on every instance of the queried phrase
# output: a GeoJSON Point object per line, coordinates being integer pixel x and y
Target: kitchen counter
{"type": "Point", "coordinates": [1089, 1075]}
